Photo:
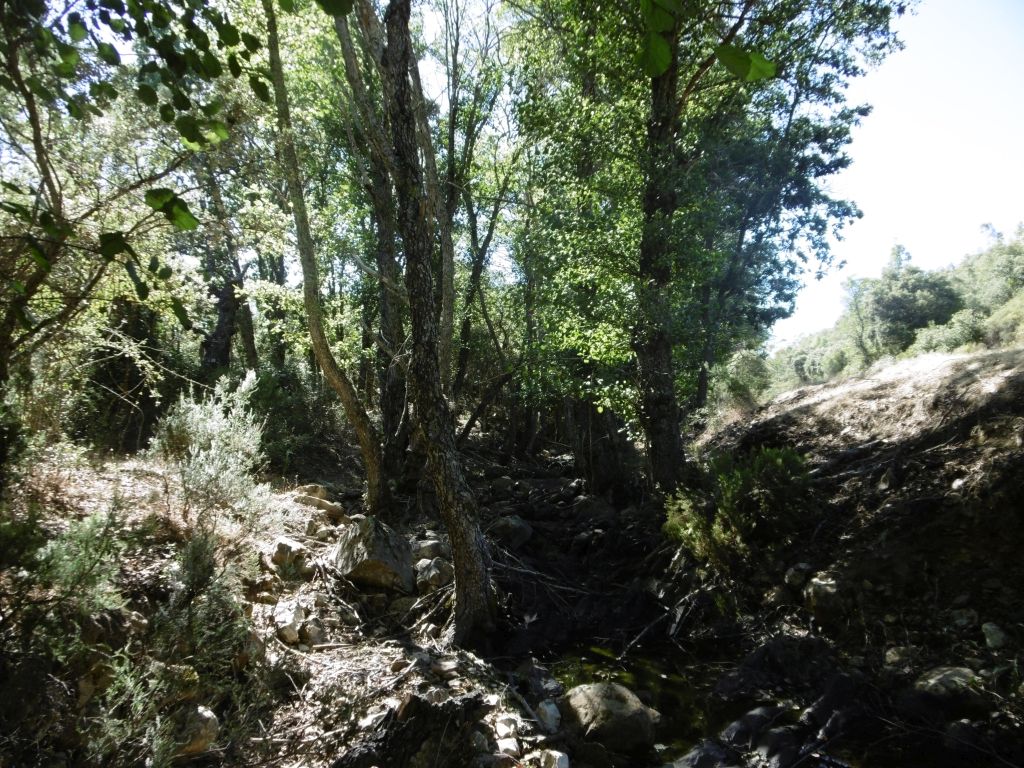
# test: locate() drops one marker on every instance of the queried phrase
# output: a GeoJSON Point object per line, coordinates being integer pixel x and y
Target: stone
{"type": "Point", "coordinates": [823, 599]}
{"type": "Point", "coordinates": [334, 511]}
{"type": "Point", "coordinates": [433, 574]}
{"type": "Point", "coordinates": [779, 747]}
{"type": "Point", "coordinates": [288, 553]}
{"type": "Point", "coordinates": [313, 633]}
{"type": "Point", "coordinates": [548, 716]}
{"type": "Point", "coordinates": [899, 655]}
{"type": "Point", "coordinates": [511, 531]}
{"type": "Point", "coordinates": [502, 486]}
{"type": "Point", "coordinates": [479, 741]}
{"type": "Point", "coordinates": [428, 549]}
{"type": "Point", "coordinates": [313, 489]}
{"type": "Point", "coordinates": [508, 747]}
{"type": "Point", "coordinates": [953, 691]}
{"type": "Point", "coordinates": [288, 618]}
{"type": "Point", "coordinates": [199, 732]}
{"type": "Point", "coordinates": [552, 758]}
{"type": "Point", "coordinates": [796, 576]}
{"type": "Point", "coordinates": [611, 715]}
{"type": "Point", "coordinates": [506, 727]}
{"type": "Point", "coordinates": [964, 618]}
{"type": "Point", "coordinates": [995, 637]}
{"type": "Point", "coordinates": [743, 733]}
{"type": "Point", "coordinates": [707, 754]}
{"type": "Point", "coordinates": [370, 554]}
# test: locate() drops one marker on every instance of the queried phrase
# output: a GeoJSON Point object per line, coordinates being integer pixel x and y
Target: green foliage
{"type": "Point", "coordinates": [750, 506]}
{"type": "Point", "coordinates": [213, 444]}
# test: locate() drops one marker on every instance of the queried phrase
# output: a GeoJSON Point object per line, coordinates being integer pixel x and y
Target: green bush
{"type": "Point", "coordinates": [213, 444]}
{"type": "Point", "coordinates": [1006, 325]}
{"type": "Point", "coordinates": [964, 328]}
{"type": "Point", "coordinates": [750, 504]}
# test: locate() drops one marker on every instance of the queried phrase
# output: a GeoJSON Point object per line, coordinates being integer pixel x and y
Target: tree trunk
{"type": "Point", "coordinates": [473, 604]}
{"type": "Point", "coordinates": [652, 342]}
{"type": "Point", "coordinates": [366, 433]}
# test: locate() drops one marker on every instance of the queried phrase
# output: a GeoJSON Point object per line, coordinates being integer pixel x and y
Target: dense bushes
{"type": "Point", "coordinates": [749, 505]}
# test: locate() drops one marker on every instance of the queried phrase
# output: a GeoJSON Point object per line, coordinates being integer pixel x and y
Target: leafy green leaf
{"type": "Point", "coordinates": [181, 101]}
{"type": "Point", "coordinates": [112, 244]}
{"type": "Point", "coordinates": [735, 59]}
{"type": "Point", "coordinates": [228, 34]}
{"type": "Point", "coordinates": [234, 67]}
{"type": "Point", "coordinates": [260, 88]}
{"type": "Point", "coordinates": [140, 286]}
{"type": "Point", "coordinates": [760, 67]}
{"type": "Point", "coordinates": [147, 95]}
{"type": "Point", "coordinates": [76, 28]}
{"type": "Point", "coordinates": [288, 6]}
{"type": "Point", "coordinates": [154, 264]}
{"type": "Point", "coordinates": [108, 53]}
{"type": "Point", "coordinates": [180, 216]}
{"type": "Point", "coordinates": [251, 42]}
{"type": "Point", "coordinates": [165, 272]}
{"type": "Point", "coordinates": [211, 65]}
{"type": "Point", "coordinates": [189, 129]}
{"type": "Point", "coordinates": [655, 54]}
{"type": "Point", "coordinates": [167, 113]}
{"type": "Point", "coordinates": [335, 7]}
{"type": "Point", "coordinates": [179, 312]}
{"type": "Point", "coordinates": [216, 131]}
{"type": "Point", "coordinates": [158, 197]}
{"type": "Point", "coordinates": [35, 250]}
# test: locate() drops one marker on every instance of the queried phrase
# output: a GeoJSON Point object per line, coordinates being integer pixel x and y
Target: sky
{"type": "Point", "coordinates": [941, 155]}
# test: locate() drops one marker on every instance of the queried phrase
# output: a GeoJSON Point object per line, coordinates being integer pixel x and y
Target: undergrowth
{"type": "Point", "coordinates": [747, 507]}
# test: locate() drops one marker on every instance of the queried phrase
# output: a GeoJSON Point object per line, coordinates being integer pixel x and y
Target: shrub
{"type": "Point", "coordinates": [213, 446]}
{"type": "Point", "coordinates": [751, 504]}
{"type": "Point", "coordinates": [964, 328]}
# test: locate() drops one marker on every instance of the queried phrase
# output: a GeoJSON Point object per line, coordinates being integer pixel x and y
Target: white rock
{"type": "Point", "coordinates": [995, 637]}
{"type": "Point", "coordinates": [506, 727]}
{"type": "Point", "coordinates": [549, 717]}
{"type": "Point", "coordinates": [508, 747]}
{"type": "Point", "coordinates": [552, 758]}
{"type": "Point", "coordinates": [288, 618]}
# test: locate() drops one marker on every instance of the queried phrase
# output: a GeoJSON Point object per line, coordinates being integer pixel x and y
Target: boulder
{"type": "Point", "coordinates": [743, 733]}
{"type": "Point", "coordinates": [334, 511]}
{"type": "Point", "coordinates": [370, 554]}
{"type": "Point", "coordinates": [942, 693]}
{"type": "Point", "coordinates": [552, 758]}
{"type": "Point", "coordinates": [995, 637]}
{"type": "Point", "coordinates": [313, 489]}
{"type": "Point", "coordinates": [433, 574]}
{"type": "Point", "coordinates": [611, 715]}
{"type": "Point", "coordinates": [288, 553]}
{"type": "Point", "coordinates": [796, 576]}
{"type": "Point", "coordinates": [288, 618]}
{"type": "Point", "coordinates": [511, 530]}
{"type": "Point", "coordinates": [199, 731]}
{"type": "Point", "coordinates": [428, 549]}
{"type": "Point", "coordinates": [824, 600]}
{"type": "Point", "coordinates": [707, 754]}
{"type": "Point", "coordinates": [548, 716]}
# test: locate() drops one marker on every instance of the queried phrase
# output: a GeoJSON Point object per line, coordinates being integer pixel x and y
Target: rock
{"type": "Point", "coordinates": [479, 741]}
{"type": "Point", "coordinates": [964, 618]}
{"type": "Point", "coordinates": [371, 554]}
{"type": "Point", "coordinates": [783, 661]}
{"type": "Point", "coordinates": [199, 732]}
{"type": "Point", "coordinates": [502, 486]}
{"type": "Point", "coordinates": [823, 599]}
{"type": "Point", "coordinates": [995, 637]}
{"type": "Point", "coordinates": [743, 733]}
{"type": "Point", "coordinates": [288, 553]}
{"type": "Point", "coordinates": [428, 549]}
{"type": "Point", "coordinates": [707, 754]}
{"type": "Point", "coordinates": [548, 716]}
{"type": "Point", "coordinates": [313, 633]}
{"type": "Point", "coordinates": [796, 576]}
{"type": "Point", "coordinates": [611, 715]}
{"type": "Point", "coordinates": [433, 574]}
{"type": "Point", "coordinates": [506, 727]}
{"type": "Point", "coordinates": [288, 618]}
{"type": "Point", "coordinates": [447, 669]}
{"type": "Point", "coordinates": [511, 530]}
{"type": "Point", "coordinates": [595, 511]}
{"type": "Point", "coordinates": [334, 511]}
{"type": "Point", "coordinates": [779, 747]}
{"type": "Point", "coordinates": [314, 490]}
{"type": "Point", "coordinates": [552, 758]}
{"type": "Point", "coordinates": [943, 692]}
{"type": "Point", "coordinates": [900, 656]}
{"type": "Point", "coordinates": [508, 747]}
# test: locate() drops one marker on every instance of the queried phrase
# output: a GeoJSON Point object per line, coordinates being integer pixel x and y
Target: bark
{"type": "Point", "coordinates": [651, 342]}
{"type": "Point", "coordinates": [366, 433]}
{"type": "Point", "coordinates": [473, 604]}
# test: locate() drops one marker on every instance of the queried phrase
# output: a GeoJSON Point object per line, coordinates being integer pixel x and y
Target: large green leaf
{"type": "Point", "coordinates": [335, 7]}
{"type": "Point", "coordinates": [158, 197]}
{"type": "Point", "coordinates": [180, 216]}
{"type": "Point", "coordinates": [108, 53]}
{"type": "Point", "coordinates": [748, 66]}
{"type": "Point", "coordinates": [655, 54]}
{"type": "Point", "coordinates": [76, 28]}
{"type": "Point", "coordinates": [112, 244]}
{"type": "Point", "coordinates": [179, 312]}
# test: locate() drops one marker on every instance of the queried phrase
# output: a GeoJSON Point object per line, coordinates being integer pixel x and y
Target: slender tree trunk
{"type": "Point", "coordinates": [473, 605]}
{"type": "Point", "coordinates": [366, 433]}
{"type": "Point", "coordinates": [651, 341]}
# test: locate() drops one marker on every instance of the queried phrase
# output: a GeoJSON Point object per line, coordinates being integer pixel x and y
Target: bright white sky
{"type": "Point", "coordinates": [941, 154]}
